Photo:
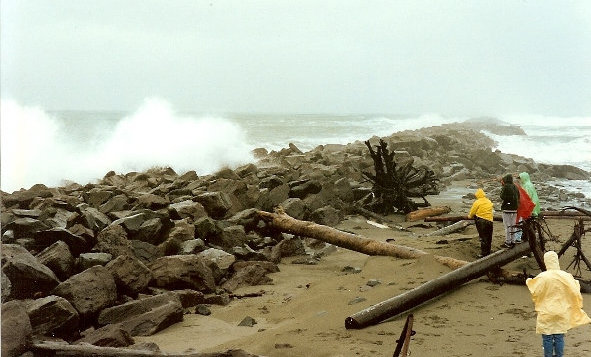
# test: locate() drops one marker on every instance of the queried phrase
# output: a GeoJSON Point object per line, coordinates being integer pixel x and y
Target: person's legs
{"type": "Point", "coordinates": [486, 237]}
{"type": "Point", "coordinates": [559, 344]}
{"type": "Point", "coordinates": [509, 223]}
{"type": "Point", "coordinates": [518, 233]}
{"type": "Point", "coordinates": [548, 343]}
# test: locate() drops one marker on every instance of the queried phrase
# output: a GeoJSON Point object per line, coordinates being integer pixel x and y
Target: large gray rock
{"type": "Point", "coordinates": [327, 215]}
{"type": "Point", "coordinates": [182, 272]}
{"type": "Point", "coordinates": [130, 274]}
{"type": "Point", "coordinates": [295, 208]}
{"type": "Point", "coordinates": [304, 189]}
{"type": "Point", "coordinates": [187, 209]}
{"type": "Point", "coordinates": [87, 260]}
{"type": "Point", "coordinates": [206, 228]}
{"type": "Point", "coordinates": [97, 196]}
{"type": "Point", "coordinates": [59, 259]}
{"type": "Point", "coordinates": [269, 199]}
{"type": "Point", "coordinates": [144, 225]}
{"type": "Point", "coordinates": [26, 227]}
{"type": "Point", "coordinates": [26, 274]}
{"type": "Point", "coordinates": [53, 316]}
{"type": "Point", "coordinates": [146, 316]}
{"type": "Point", "coordinates": [16, 328]}
{"type": "Point", "coordinates": [113, 240]}
{"type": "Point", "coordinates": [93, 218]}
{"type": "Point", "coordinates": [216, 204]}
{"type": "Point", "coordinates": [145, 252]}
{"type": "Point", "coordinates": [182, 231]}
{"type": "Point", "coordinates": [116, 203]}
{"type": "Point", "coordinates": [89, 292]}
{"type": "Point", "coordinates": [77, 244]}
{"type": "Point", "coordinates": [108, 336]}
{"type": "Point", "coordinates": [250, 273]}
{"type": "Point", "coordinates": [153, 202]}
{"type": "Point", "coordinates": [229, 237]}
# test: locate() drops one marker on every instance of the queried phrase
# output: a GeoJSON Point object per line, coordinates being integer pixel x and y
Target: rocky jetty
{"type": "Point", "coordinates": [132, 253]}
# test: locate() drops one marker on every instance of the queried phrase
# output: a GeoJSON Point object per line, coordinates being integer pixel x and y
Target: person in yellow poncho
{"type": "Point", "coordinates": [558, 301]}
{"type": "Point", "coordinates": [482, 211]}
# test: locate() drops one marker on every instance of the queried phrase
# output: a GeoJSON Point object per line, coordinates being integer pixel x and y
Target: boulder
{"type": "Point", "coordinates": [88, 260]}
{"type": "Point", "coordinates": [192, 246]}
{"type": "Point", "coordinates": [295, 208]}
{"type": "Point", "coordinates": [97, 196]}
{"type": "Point", "coordinates": [26, 274]}
{"type": "Point", "coordinates": [108, 336]}
{"type": "Point", "coordinates": [147, 226]}
{"type": "Point", "coordinates": [113, 240]}
{"type": "Point", "coordinates": [182, 231]}
{"type": "Point", "coordinates": [218, 257]}
{"type": "Point", "coordinates": [26, 227]}
{"type": "Point", "coordinates": [206, 228]}
{"type": "Point", "coordinates": [16, 329]}
{"type": "Point", "coordinates": [151, 231]}
{"type": "Point", "coordinates": [76, 244]}
{"type": "Point", "coordinates": [270, 182]}
{"type": "Point", "coordinates": [130, 274]}
{"type": "Point", "coordinates": [248, 218]}
{"type": "Point", "coordinates": [59, 259]}
{"type": "Point", "coordinates": [145, 252]}
{"type": "Point", "coordinates": [229, 237]}
{"type": "Point", "coordinates": [24, 198]}
{"type": "Point", "coordinates": [304, 189]}
{"type": "Point", "coordinates": [289, 247]}
{"type": "Point", "coordinates": [216, 204]}
{"type": "Point", "coordinates": [146, 316]}
{"type": "Point", "coordinates": [250, 273]}
{"type": "Point", "coordinates": [89, 292]}
{"type": "Point", "coordinates": [270, 199]}
{"type": "Point", "coordinates": [53, 316]}
{"type": "Point", "coordinates": [327, 215]}
{"type": "Point", "coordinates": [182, 272]}
{"type": "Point", "coordinates": [93, 218]}
{"type": "Point", "coordinates": [187, 209]}
{"type": "Point", "coordinates": [114, 204]}
{"type": "Point", "coordinates": [152, 202]}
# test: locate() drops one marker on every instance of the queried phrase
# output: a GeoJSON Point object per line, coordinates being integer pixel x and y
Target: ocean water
{"type": "Point", "coordinates": [53, 148]}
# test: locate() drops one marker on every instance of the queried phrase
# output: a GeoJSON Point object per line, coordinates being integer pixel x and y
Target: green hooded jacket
{"type": "Point", "coordinates": [528, 186]}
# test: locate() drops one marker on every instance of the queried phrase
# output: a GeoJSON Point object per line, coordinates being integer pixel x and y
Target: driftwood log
{"type": "Point", "coordinates": [84, 350]}
{"type": "Point", "coordinates": [432, 289]}
{"type": "Point", "coordinates": [285, 223]}
{"type": "Point", "coordinates": [427, 212]}
{"type": "Point", "coordinates": [454, 227]}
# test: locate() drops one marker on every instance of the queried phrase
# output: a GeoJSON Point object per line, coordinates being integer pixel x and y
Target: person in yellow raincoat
{"type": "Point", "coordinates": [482, 210]}
{"type": "Point", "coordinates": [558, 301]}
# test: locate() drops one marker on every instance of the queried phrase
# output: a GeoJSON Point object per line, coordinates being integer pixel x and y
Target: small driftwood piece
{"type": "Point", "coordinates": [458, 226]}
{"type": "Point", "coordinates": [427, 212]}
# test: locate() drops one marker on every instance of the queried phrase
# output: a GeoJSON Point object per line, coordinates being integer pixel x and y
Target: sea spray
{"type": "Point", "coordinates": [36, 147]}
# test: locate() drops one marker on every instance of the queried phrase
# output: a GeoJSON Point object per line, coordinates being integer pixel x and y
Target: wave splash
{"type": "Point", "coordinates": [36, 147]}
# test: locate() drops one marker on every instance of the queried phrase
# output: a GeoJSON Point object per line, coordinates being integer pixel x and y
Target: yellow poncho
{"type": "Point", "coordinates": [557, 299]}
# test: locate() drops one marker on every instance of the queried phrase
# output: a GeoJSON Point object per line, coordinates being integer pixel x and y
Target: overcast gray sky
{"type": "Point", "coordinates": [448, 57]}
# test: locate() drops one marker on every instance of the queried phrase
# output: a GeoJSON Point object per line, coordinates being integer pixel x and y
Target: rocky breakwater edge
{"type": "Point", "coordinates": [94, 265]}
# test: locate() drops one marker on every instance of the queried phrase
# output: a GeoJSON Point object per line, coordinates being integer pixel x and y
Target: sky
{"type": "Point", "coordinates": [449, 57]}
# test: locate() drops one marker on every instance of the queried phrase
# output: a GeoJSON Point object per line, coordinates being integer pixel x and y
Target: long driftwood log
{"type": "Point", "coordinates": [427, 212]}
{"type": "Point", "coordinates": [83, 350]}
{"type": "Point", "coordinates": [432, 289]}
{"type": "Point", "coordinates": [285, 223]}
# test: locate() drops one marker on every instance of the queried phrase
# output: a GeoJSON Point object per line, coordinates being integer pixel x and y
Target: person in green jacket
{"type": "Point", "coordinates": [528, 186]}
{"type": "Point", "coordinates": [510, 198]}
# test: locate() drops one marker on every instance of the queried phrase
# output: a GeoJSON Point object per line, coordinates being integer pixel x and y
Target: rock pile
{"type": "Point", "coordinates": [130, 254]}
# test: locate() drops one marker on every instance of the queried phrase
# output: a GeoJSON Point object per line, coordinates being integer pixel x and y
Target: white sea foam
{"type": "Point", "coordinates": [37, 149]}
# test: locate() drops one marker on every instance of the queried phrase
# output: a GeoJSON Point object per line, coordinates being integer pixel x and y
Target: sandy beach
{"type": "Point", "coordinates": [303, 312]}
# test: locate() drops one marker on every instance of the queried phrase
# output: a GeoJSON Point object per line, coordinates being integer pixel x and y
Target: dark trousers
{"type": "Point", "coordinates": [485, 231]}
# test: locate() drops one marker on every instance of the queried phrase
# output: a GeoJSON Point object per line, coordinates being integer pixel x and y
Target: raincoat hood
{"type": "Point", "coordinates": [480, 193]}
{"type": "Point", "coordinates": [551, 261]}
{"type": "Point", "coordinates": [524, 176]}
{"type": "Point", "coordinates": [508, 179]}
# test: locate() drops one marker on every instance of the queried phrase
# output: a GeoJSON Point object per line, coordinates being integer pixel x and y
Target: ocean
{"type": "Point", "coordinates": [52, 148]}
